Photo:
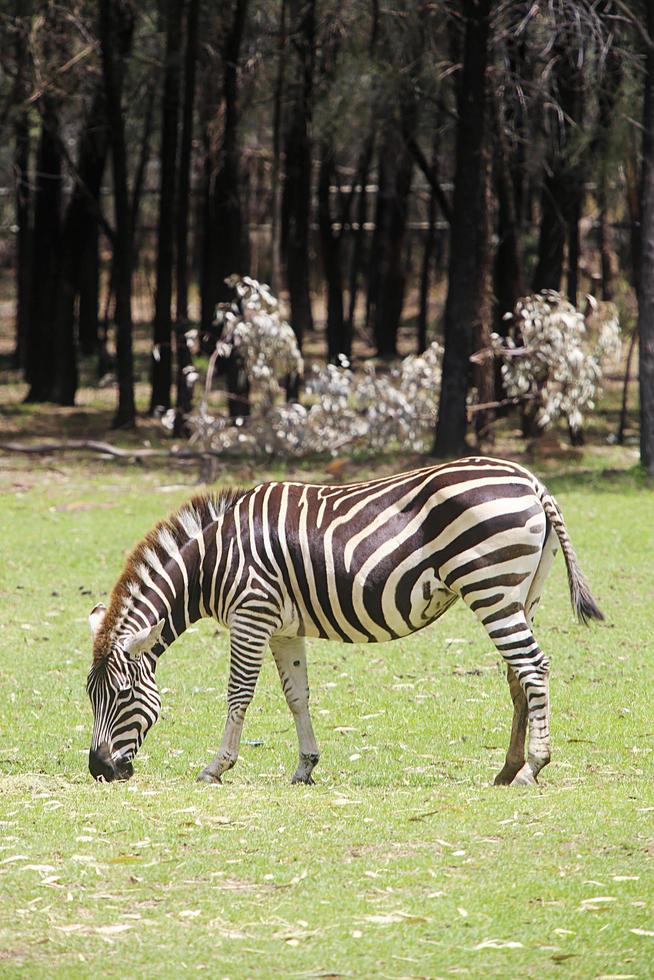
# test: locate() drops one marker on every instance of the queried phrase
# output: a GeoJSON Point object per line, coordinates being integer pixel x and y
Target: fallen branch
{"type": "Point", "coordinates": [104, 449]}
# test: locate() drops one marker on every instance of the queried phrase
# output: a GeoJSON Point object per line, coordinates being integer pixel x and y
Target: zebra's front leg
{"type": "Point", "coordinates": [291, 660]}
{"type": "Point", "coordinates": [245, 658]}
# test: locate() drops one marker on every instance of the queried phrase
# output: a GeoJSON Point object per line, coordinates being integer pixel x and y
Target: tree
{"type": "Point", "coordinates": [296, 200]}
{"type": "Point", "coordinates": [465, 286]}
{"type": "Point", "coordinates": [646, 279]}
{"type": "Point", "coordinates": [22, 9]}
{"type": "Point", "coordinates": [224, 245]}
{"type": "Point", "coordinates": [161, 364]}
{"type": "Point", "coordinates": [116, 24]}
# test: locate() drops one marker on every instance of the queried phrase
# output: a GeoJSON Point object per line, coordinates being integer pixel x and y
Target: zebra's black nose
{"type": "Point", "coordinates": [100, 765]}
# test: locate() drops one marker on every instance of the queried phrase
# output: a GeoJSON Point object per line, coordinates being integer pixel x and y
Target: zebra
{"type": "Point", "coordinates": [362, 563]}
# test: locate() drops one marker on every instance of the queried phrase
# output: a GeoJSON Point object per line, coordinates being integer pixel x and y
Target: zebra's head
{"type": "Point", "coordinates": [124, 696]}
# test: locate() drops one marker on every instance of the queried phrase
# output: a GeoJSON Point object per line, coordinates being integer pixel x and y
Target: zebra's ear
{"type": "Point", "coordinates": [96, 616]}
{"type": "Point", "coordinates": [142, 641]}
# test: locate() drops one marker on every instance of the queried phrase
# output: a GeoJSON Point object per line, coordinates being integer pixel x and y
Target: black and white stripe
{"type": "Point", "coordinates": [362, 563]}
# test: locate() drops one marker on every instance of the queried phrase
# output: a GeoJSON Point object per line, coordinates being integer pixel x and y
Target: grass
{"type": "Point", "coordinates": [403, 860]}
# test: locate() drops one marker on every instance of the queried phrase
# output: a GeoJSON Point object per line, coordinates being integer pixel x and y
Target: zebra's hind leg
{"type": "Point", "coordinates": [246, 654]}
{"type": "Point", "coordinates": [512, 635]}
{"type": "Point", "coordinates": [515, 756]}
{"type": "Point", "coordinates": [291, 660]}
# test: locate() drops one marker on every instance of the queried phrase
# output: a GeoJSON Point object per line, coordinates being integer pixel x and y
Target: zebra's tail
{"type": "Point", "coordinates": [583, 604]}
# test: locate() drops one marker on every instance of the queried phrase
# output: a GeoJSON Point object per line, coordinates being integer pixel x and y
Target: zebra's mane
{"type": "Point", "coordinates": [175, 531]}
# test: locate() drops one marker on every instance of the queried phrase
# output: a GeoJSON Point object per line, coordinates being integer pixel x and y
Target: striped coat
{"type": "Point", "coordinates": [363, 563]}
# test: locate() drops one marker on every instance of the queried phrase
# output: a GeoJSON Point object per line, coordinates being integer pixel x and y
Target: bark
{"type": "Point", "coordinates": [275, 207]}
{"type": "Point", "coordinates": [183, 355]}
{"type": "Point", "coordinates": [161, 365]}
{"type": "Point", "coordinates": [508, 275]}
{"type": "Point", "coordinates": [462, 308]}
{"type": "Point", "coordinates": [22, 185]}
{"type": "Point", "coordinates": [428, 250]}
{"type": "Point", "coordinates": [551, 236]}
{"type": "Point", "coordinates": [358, 247]}
{"type": "Point", "coordinates": [85, 204]}
{"type": "Point", "coordinates": [646, 288]}
{"type": "Point", "coordinates": [116, 28]}
{"type": "Point", "coordinates": [338, 340]}
{"type": "Point", "coordinates": [186, 145]}
{"type": "Point", "coordinates": [78, 274]}
{"type": "Point", "coordinates": [224, 237]}
{"type": "Point", "coordinates": [45, 254]}
{"type": "Point", "coordinates": [484, 371]}
{"type": "Point", "coordinates": [387, 276]}
{"type": "Point", "coordinates": [563, 186]}
{"type": "Point", "coordinates": [296, 200]}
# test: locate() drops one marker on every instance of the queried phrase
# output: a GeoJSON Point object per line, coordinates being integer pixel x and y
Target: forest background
{"type": "Point", "coordinates": [398, 173]}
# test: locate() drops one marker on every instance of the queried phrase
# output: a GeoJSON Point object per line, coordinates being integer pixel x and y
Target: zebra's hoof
{"type": "Point", "coordinates": [208, 777]}
{"type": "Point", "coordinates": [524, 778]}
{"type": "Point", "coordinates": [505, 777]}
{"type": "Point", "coordinates": [307, 780]}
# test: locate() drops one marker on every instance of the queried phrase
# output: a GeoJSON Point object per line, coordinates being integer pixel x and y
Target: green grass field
{"type": "Point", "coordinates": [403, 860]}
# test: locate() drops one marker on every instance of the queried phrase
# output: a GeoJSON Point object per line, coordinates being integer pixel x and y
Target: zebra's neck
{"type": "Point", "coordinates": [171, 587]}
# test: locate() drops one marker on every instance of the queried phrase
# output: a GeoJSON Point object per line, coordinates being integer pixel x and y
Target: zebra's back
{"type": "Point", "coordinates": [376, 560]}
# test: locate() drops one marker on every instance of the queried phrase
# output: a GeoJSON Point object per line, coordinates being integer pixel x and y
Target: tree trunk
{"type": "Point", "coordinates": [22, 183]}
{"type": "Point", "coordinates": [78, 274]}
{"type": "Point", "coordinates": [296, 201]}
{"type": "Point", "coordinates": [387, 258]}
{"type": "Point", "coordinates": [186, 146]}
{"type": "Point", "coordinates": [551, 236]}
{"type": "Point", "coordinates": [116, 29]}
{"type": "Point", "coordinates": [224, 232]}
{"type": "Point", "coordinates": [358, 247]}
{"type": "Point", "coordinates": [508, 278]}
{"type": "Point", "coordinates": [428, 250]}
{"type": "Point", "coordinates": [183, 355]}
{"type": "Point", "coordinates": [45, 255]}
{"type": "Point", "coordinates": [563, 184]}
{"type": "Point", "coordinates": [464, 296]}
{"type": "Point", "coordinates": [338, 341]}
{"type": "Point", "coordinates": [646, 290]}
{"type": "Point", "coordinates": [278, 122]}
{"type": "Point", "coordinates": [161, 364]}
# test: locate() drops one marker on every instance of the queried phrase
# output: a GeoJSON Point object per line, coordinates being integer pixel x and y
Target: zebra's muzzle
{"type": "Point", "coordinates": [101, 765]}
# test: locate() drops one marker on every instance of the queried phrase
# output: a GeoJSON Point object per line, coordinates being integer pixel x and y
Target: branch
{"type": "Point", "coordinates": [104, 449]}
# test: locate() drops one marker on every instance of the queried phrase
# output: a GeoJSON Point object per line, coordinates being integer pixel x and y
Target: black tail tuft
{"type": "Point", "coordinates": [584, 605]}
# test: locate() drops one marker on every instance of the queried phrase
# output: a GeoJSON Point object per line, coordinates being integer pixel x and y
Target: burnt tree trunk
{"type": "Point", "coordinates": [428, 250]}
{"type": "Point", "coordinates": [23, 237]}
{"type": "Point", "coordinates": [45, 254]}
{"type": "Point", "coordinates": [338, 341]}
{"type": "Point", "coordinates": [183, 354]}
{"type": "Point", "coordinates": [278, 122]}
{"type": "Point", "coordinates": [508, 277]}
{"type": "Point", "coordinates": [79, 272]}
{"type": "Point", "coordinates": [563, 185]}
{"type": "Point", "coordinates": [296, 200]}
{"type": "Point", "coordinates": [22, 193]}
{"type": "Point", "coordinates": [185, 150]}
{"type": "Point", "coordinates": [646, 284]}
{"type": "Point", "coordinates": [224, 232]}
{"type": "Point", "coordinates": [359, 244]}
{"type": "Point", "coordinates": [464, 295]}
{"type": "Point", "coordinates": [387, 276]}
{"type": "Point", "coordinates": [116, 29]}
{"type": "Point", "coordinates": [161, 365]}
